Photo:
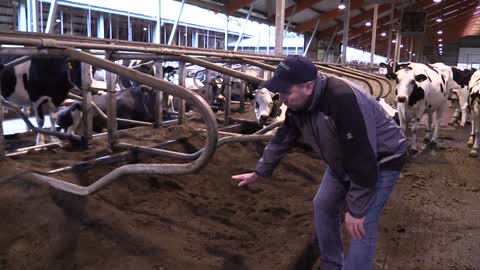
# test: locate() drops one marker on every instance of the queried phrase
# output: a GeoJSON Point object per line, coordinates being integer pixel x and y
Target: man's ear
{"type": "Point", "coordinates": [309, 88]}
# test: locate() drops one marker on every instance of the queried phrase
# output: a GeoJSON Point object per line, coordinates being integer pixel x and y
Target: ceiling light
{"type": "Point", "coordinates": [439, 20]}
{"type": "Point", "coordinates": [383, 34]}
{"type": "Point", "coordinates": [57, 20]}
{"type": "Point", "coordinates": [394, 41]}
{"type": "Point", "coordinates": [437, 1]}
{"type": "Point", "coordinates": [439, 32]}
{"type": "Point", "coordinates": [368, 23]}
{"type": "Point", "coordinates": [440, 45]}
{"type": "Point", "coordinates": [413, 54]}
{"type": "Point", "coordinates": [341, 5]}
{"type": "Point", "coordinates": [440, 40]}
{"type": "Point", "coordinates": [401, 45]}
{"type": "Point", "coordinates": [144, 28]}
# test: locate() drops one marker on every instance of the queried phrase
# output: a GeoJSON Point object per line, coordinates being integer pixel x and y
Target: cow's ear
{"type": "Point", "coordinates": [276, 97]}
{"type": "Point", "coordinates": [420, 77]}
{"type": "Point", "coordinates": [383, 65]}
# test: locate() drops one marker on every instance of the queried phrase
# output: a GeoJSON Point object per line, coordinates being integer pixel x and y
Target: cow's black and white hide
{"type": "Point", "coordinates": [457, 89]}
{"type": "Point", "coordinates": [421, 88]}
{"type": "Point", "coordinates": [136, 103]}
{"type": "Point", "coordinates": [474, 104]}
{"type": "Point", "coordinates": [139, 65]}
{"type": "Point", "coordinates": [43, 84]}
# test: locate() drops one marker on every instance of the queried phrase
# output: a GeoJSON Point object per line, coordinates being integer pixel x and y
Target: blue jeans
{"type": "Point", "coordinates": [328, 205]}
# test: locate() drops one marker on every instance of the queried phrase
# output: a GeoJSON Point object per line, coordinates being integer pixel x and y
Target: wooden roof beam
{"type": "Point", "coordinates": [234, 5]}
{"type": "Point", "coordinates": [325, 17]}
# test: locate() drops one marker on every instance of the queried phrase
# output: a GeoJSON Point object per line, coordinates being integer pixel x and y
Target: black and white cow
{"type": "Point", "coordinates": [474, 103]}
{"type": "Point", "coordinates": [421, 88]}
{"type": "Point", "coordinates": [43, 84]}
{"type": "Point", "coordinates": [136, 103]}
{"type": "Point", "coordinates": [457, 85]}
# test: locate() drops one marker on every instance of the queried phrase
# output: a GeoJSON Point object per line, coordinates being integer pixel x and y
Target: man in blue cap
{"type": "Point", "coordinates": [361, 144]}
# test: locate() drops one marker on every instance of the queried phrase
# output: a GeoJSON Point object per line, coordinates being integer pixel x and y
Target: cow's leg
{"type": "Point", "coordinates": [476, 121]}
{"type": "Point", "coordinates": [53, 119]}
{"type": "Point", "coordinates": [472, 132]}
{"type": "Point", "coordinates": [413, 140]}
{"type": "Point", "coordinates": [76, 119]}
{"type": "Point", "coordinates": [40, 118]}
{"type": "Point", "coordinates": [438, 116]}
{"type": "Point", "coordinates": [428, 128]}
{"type": "Point", "coordinates": [26, 111]}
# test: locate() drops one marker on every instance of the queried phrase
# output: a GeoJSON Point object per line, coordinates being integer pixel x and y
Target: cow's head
{"type": "Point", "coordinates": [391, 72]}
{"type": "Point", "coordinates": [80, 74]}
{"type": "Point", "coordinates": [267, 105]}
{"type": "Point", "coordinates": [408, 88]}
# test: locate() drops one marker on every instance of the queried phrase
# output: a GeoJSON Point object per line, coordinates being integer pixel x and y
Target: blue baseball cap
{"type": "Point", "coordinates": [292, 70]}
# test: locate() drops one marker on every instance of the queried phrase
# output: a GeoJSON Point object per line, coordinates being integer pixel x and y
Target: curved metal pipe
{"type": "Point", "coordinates": [355, 72]}
{"type": "Point", "coordinates": [175, 90]}
{"type": "Point", "coordinates": [334, 71]}
{"type": "Point", "coordinates": [361, 72]}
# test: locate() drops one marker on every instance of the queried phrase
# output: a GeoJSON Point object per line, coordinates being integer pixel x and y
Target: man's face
{"type": "Point", "coordinates": [298, 96]}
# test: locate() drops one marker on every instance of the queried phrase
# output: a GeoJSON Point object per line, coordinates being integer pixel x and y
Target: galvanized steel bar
{"type": "Point", "coordinates": [175, 25]}
{"type": "Point", "coordinates": [311, 38]}
{"type": "Point", "coordinates": [227, 82]}
{"type": "Point", "coordinates": [158, 96]}
{"type": "Point", "coordinates": [289, 20]}
{"type": "Point", "coordinates": [338, 72]}
{"type": "Point", "coordinates": [243, 90]}
{"type": "Point", "coordinates": [240, 37]}
{"type": "Point", "coordinates": [51, 16]}
{"type": "Point", "coordinates": [226, 71]}
{"type": "Point", "coordinates": [40, 40]}
{"type": "Point", "coordinates": [87, 116]}
{"type": "Point", "coordinates": [182, 75]}
{"type": "Point", "coordinates": [111, 119]}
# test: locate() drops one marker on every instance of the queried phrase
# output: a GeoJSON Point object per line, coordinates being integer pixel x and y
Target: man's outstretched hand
{"type": "Point", "coordinates": [246, 178]}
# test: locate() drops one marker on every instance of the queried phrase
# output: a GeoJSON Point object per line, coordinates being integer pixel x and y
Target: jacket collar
{"type": "Point", "coordinates": [319, 89]}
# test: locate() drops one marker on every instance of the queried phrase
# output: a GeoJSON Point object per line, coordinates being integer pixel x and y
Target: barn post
{"type": "Point", "coordinates": [346, 28]}
{"type": "Point", "coordinates": [51, 16]}
{"type": "Point", "coordinates": [209, 87]}
{"type": "Point", "coordinates": [243, 89]}
{"type": "Point", "coordinates": [158, 24]}
{"type": "Point", "coordinates": [86, 106]}
{"type": "Point", "coordinates": [374, 34]}
{"type": "Point", "coordinates": [101, 26]}
{"type": "Point", "coordinates": [279, 26]}
{"type": "Point", "coordinates": [61, 22]}
{"type": "Point", "coordinates": [182, 74]}
{"type": "Point", "coordinates": [228, 95]}
{"type": "Point", "coordinates": [2, 139]}
{"type": "Point", "coordinates": [111, 105]}
{"type": "Point", "coordinates": [390, 28]}
{"type": "Point", "coordinates": [158, 96]}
